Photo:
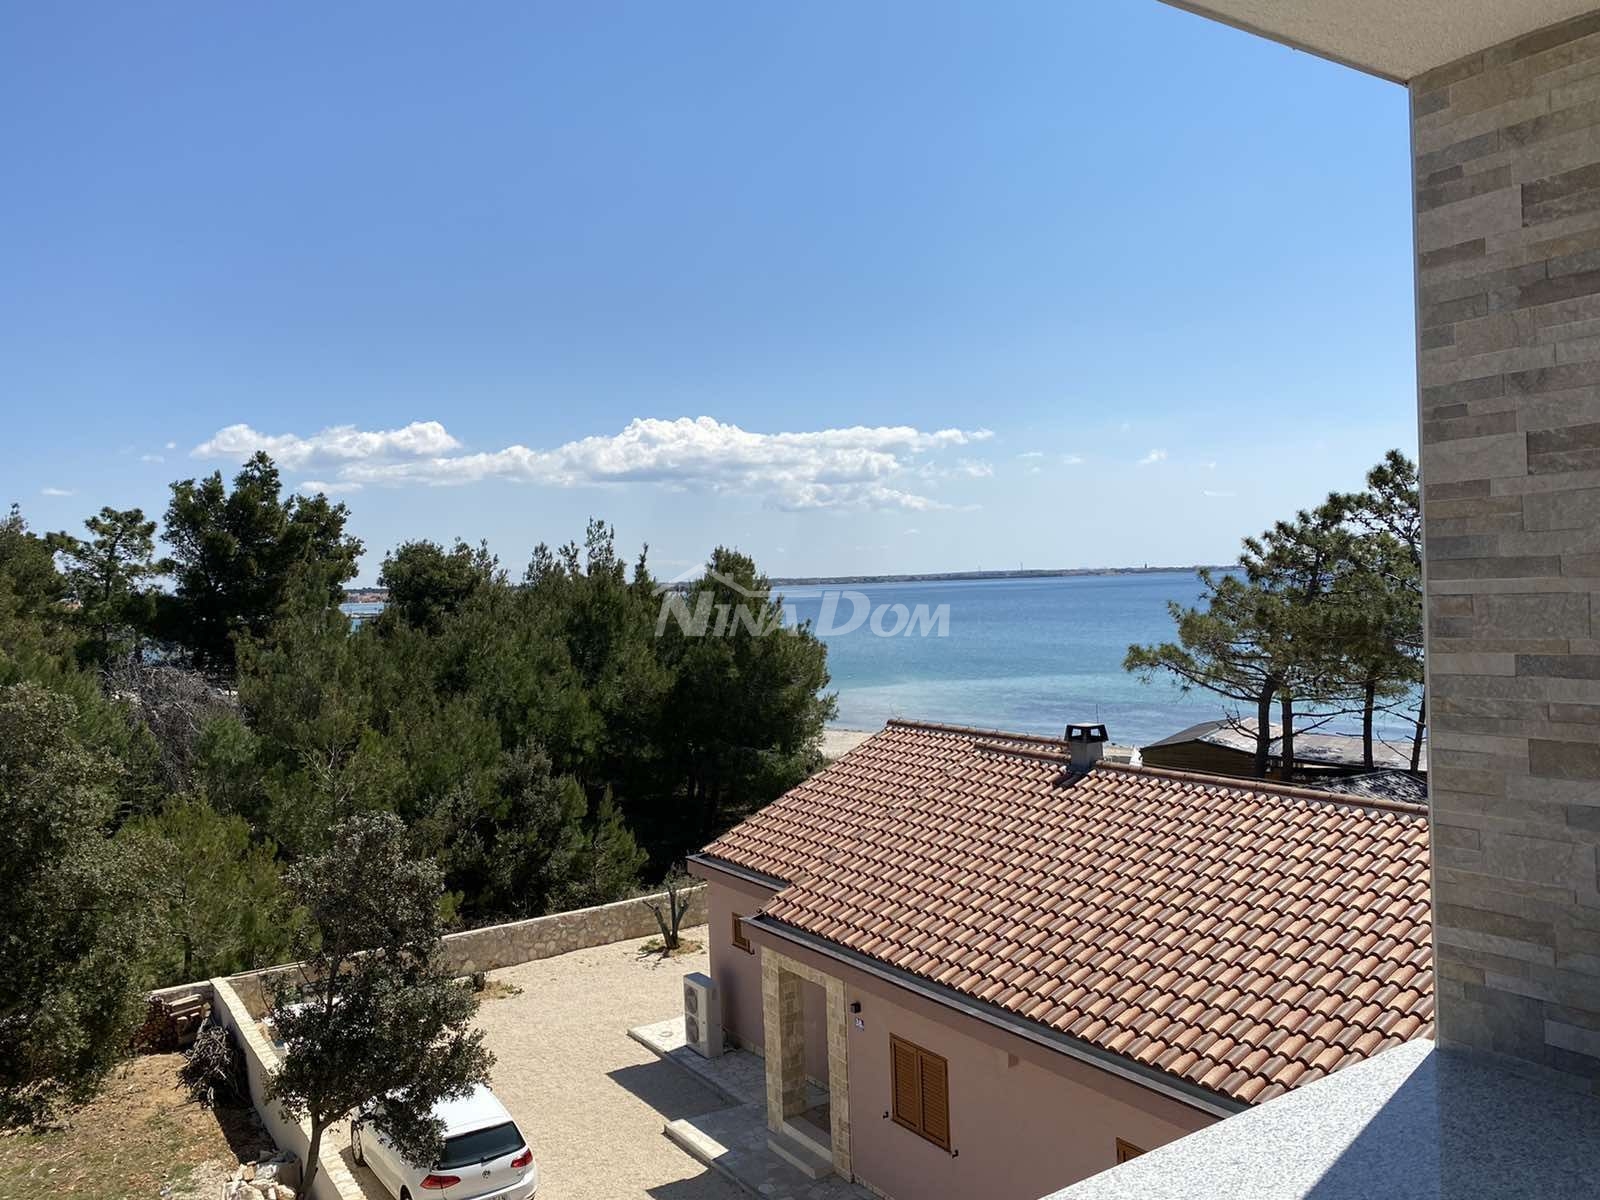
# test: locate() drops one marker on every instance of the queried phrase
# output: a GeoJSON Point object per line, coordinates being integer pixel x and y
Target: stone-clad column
{"type": "Point", "coordinates": [783, 1021]}
{"type": "Point", "coordinates": [1507, 175]}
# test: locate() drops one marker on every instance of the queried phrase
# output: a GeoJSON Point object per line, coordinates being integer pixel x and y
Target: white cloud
{"type": "Point", "coordinates": [962, 468]}
{"type": "Point", "coordinates": [55, 491]}
{"type": "Point", "coordinates": [1219, 495]}
{"type": "Point", "coordinates": [1031, 454]}
{"type": "Point", "coordinates": [337, 444]}
{"type": "Point", "coordinates": [172, 445]}
{"type": "Point", "coordinates": [1155, 456]}
{"type": "Point", "coordinates": [152, 458]}
{"type": "Point", "coordinates": [311, 487]}
{"type": "Point", "coordinates": [855, 467]}
{"type": "Point", "coordinates": [1072, 460]}
{"type": "Point", "coordinates": [911, 532]}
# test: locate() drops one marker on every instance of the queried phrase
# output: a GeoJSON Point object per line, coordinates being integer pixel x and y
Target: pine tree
{"type": "Point", "coordinates": [1226, 646]}
{"type": "Point", "coordinates": [235, 553]}
{"type": "Point", "coordinates": [1389, 514]}
{"type": "Point", "coordinates": [218, 899]}
{"type": "Point", "coordinates": [110, 577]}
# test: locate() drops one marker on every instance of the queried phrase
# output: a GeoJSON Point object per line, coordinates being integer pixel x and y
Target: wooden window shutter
{"type": "Point", "coordinates": [921, 1087]}
{"type": "Point", "coordinates": [935, 1100]}
{"type": "Point", "coordinates": [907, 1084]}
{"type": "Point", "coordinates": [739, 938]}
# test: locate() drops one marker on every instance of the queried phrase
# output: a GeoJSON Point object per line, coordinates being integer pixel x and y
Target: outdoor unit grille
{"type": "Point", "coordinates": [702, 1015]}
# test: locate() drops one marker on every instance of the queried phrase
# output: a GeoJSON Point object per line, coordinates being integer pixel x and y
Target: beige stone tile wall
{"type": "Point", "coordinates": [783, 1019]}
{"type": "Point", "coordinates": [1507, 174]}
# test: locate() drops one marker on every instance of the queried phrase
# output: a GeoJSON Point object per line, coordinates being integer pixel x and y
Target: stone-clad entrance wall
{"type": "Point", "coordinates": [783, 1019]}
{"type": "Point", "coordinates": [1507, 176]}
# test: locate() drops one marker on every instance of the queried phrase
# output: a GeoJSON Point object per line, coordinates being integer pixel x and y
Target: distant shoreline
{"type": "Point", "coordinates": [376, 595]}
{"type": "Point", "coordinates": [1033, 573]}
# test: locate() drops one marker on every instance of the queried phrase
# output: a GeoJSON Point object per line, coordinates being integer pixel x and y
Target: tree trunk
{"type": "Point", "coordinates": [1263, 729]}
{"type": "Point", "coordinates": [1422, 725]}
{"type": "Point", "coordinates": [1369, 700]}
{"type": "Point", "coordinates": [308, 1169]}
{"type": "Point", "coordinates": [711, 796]}
{"type": "Point", "coordinates": [1286, 745]}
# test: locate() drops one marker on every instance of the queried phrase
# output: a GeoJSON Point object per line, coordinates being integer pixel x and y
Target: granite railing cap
{"type": "Point", "coordinates": [1414, 1123]}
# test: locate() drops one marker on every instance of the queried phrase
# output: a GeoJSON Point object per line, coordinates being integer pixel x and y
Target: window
{"type": "Point", "coordinates": [1127, 1150]}
{"type": "Point", "coordinates": [921, 1089]}
{"type": "Point", "coordinates": [739, 939]}
{"type": "Point", "coordinates": [480, 1146]}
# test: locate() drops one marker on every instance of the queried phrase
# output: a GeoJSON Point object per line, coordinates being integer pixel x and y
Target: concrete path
{"type": "Point", "coordinates": [733, 1140]}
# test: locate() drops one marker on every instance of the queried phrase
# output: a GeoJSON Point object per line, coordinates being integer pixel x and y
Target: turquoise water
{"type": "Point", "coordinates": [1021, 654]}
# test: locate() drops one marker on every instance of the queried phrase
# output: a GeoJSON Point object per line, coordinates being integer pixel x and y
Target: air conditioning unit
{"type": "Point", "coordinates": [702, 1015]}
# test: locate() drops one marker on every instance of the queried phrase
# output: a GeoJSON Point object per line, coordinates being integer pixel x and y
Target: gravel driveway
{"type": "Point", "coordinates": [591, 1100]}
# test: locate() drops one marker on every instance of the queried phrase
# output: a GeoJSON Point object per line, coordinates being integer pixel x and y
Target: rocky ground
{"type": "Point", "coordinates": [141, 1138]}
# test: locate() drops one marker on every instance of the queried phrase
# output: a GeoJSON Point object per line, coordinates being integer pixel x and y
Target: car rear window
{"type": "Point", "coordinates": [481, 1145]}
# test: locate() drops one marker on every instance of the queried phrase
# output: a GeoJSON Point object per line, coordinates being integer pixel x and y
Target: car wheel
{"type": "Point", "coordinates": [355, 1144]}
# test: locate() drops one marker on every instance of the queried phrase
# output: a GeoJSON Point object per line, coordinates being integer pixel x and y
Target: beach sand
{"type": "Point", "coordinates": [839, 742]}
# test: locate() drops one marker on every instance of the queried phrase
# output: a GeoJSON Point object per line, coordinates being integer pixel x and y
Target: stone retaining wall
{"type": "Point", "coordinates": [496, 946]}
{"type": "Point", "coordinates": [201, 988]}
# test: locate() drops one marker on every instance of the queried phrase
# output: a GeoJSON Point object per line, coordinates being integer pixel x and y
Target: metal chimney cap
{"type": "Point", "coordinates": [1087, 733]}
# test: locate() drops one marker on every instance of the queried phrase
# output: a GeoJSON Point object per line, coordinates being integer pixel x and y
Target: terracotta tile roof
{"type": "Point", "coordinates": [1246, 938]}
{"type": "Point", "coordinates": [800, 828]}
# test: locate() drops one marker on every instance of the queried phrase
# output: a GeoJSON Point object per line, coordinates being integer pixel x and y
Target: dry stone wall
{"type": "Point", "coordinates": [496, 946]}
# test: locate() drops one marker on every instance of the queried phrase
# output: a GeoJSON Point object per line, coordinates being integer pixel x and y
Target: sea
{"type": "Point", "coordinates": [1028, 654]}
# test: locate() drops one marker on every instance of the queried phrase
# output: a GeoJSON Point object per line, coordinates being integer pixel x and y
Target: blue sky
{"type": "Point", "coordinates": [1058, 285]}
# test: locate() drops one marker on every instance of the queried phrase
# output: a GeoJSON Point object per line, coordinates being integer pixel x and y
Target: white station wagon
{"type": "Point", "coordinates": [485, 1155]}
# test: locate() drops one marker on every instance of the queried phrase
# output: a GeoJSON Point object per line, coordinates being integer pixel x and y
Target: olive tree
{"type": "Point", "coordinates": [370, 1012]}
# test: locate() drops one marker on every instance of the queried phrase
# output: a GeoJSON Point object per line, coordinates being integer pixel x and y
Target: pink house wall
{"type": "Point", "coordinates": [738, 974]}
{"type": "Point", "coordinates": [1024, 1120]}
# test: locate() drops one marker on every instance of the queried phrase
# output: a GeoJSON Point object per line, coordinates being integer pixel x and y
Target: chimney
{"type": "Point", "coordinates": [1087, 743]}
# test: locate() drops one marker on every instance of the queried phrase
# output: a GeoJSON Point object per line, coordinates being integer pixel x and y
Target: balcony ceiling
{"type": "Point", "coordinates": [1395, 39]}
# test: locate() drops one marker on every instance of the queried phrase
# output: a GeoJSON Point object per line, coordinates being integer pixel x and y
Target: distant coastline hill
{"type": "Point", "coordinates": [955, 576]}
{"type": "Point", "coordinates": [378, 595]}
